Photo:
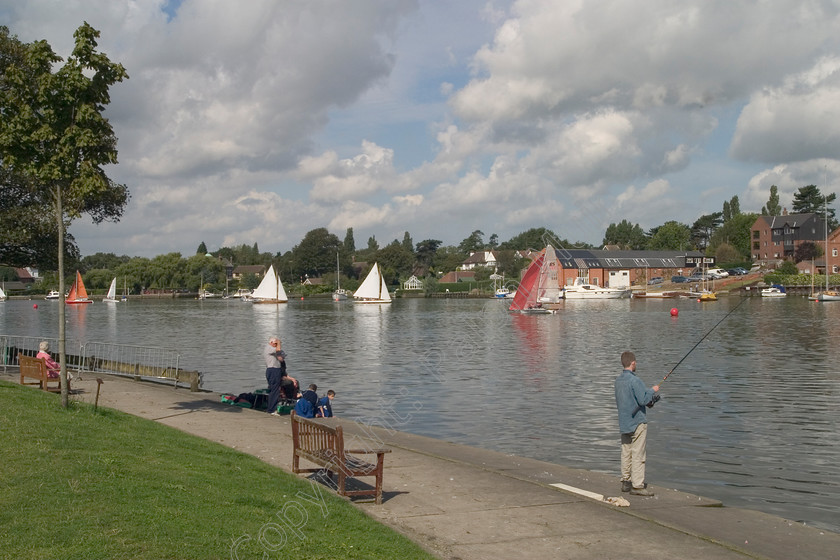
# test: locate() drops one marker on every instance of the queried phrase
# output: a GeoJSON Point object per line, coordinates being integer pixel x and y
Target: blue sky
{"type": "Point", "coordinates": [259, 121]}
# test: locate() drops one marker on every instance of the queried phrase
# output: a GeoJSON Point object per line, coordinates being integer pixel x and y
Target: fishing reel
{"type": "Point", "coordinates": [654, 400]}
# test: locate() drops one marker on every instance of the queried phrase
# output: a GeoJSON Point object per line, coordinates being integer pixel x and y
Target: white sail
{"type": "Point", "coordinates": [270, 289]}
{"type": "Point", "coordinates": [2, 294]}
{"type": "Point", "coordinates": [112, 291]}
{"type": "Point", "coordinates": [373, 289]}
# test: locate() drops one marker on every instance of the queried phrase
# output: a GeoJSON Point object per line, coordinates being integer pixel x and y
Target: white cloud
{"type": "Point", "coordinates": [259, 121]}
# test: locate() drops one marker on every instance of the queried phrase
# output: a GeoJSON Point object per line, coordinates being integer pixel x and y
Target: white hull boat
{"type": "Point", "coordinates": [270, 289]}
{"type": "Point", "coordinates": [373, 288]}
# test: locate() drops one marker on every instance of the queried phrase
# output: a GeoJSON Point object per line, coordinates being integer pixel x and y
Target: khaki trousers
{"type": "Point", "coordinates": [634, 455]}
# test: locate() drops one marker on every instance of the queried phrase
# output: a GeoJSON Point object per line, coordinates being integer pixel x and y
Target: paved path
{"type": "Point", "coordinates": [466, 503]}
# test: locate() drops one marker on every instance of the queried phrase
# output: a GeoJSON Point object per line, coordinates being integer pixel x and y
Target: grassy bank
{"type": "Point", "coordinates": [79, 483]}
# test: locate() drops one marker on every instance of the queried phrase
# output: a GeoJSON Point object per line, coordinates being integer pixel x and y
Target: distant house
{"type": "Point", "coordinates": [257, 270]}
{"type": "Point", "coordinates": [486, 259]}
{"type": "Point", "coordinates": [776, 238]}
{"type": "Point", "coordinates": [313, 281]}
{"type": "Point", "coordinates": [413, 283]}
{"type": "Point", "coordinates": [458, 276]}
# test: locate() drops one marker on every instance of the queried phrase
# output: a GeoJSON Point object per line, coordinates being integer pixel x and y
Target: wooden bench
{"type": "Point", "coordinates": [323, 445]}
{"type": "Point", "coordinates": [36, 368]}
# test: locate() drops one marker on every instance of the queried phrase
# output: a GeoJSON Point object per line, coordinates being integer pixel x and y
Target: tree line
{"type": "Point", "coordinates": [724, 234]}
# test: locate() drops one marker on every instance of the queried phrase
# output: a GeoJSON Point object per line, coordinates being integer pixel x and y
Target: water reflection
{"type": "Point", "coordinates": [748, 417]}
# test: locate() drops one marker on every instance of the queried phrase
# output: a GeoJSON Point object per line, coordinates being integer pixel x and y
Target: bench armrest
{"type": "Point", "coordinates": [377, 451]}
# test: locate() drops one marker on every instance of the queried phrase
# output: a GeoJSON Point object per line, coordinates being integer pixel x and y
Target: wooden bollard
{"type": "Point", "coordinates": [98, 385]}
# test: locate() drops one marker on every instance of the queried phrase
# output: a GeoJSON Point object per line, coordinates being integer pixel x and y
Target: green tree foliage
{"type": "Point", "coordinates": [534, 238]}
{"type": "Point", "coordinates": [809, 200]}
{"type": "Point", "coordinates": [372, 245]}
{"type": "Point", "coordinates": [670, 236]}
{"type": "Point", "coordinates": [773, 206]}
{"type": "Point", "coordinates": [493, 242]}
{"type": "Point", "coordinates": [473, 243]}
{"type": "Point", "coordinates": [726, 253]}
{"type": "Point", "coordinates": [806, 251]}
{"type": "Point", "coordinates": [787, 267]}
{"type": "Point", "coordinates": [704, 227]}
{"type": "Point", "coordinates": [625, 235]}
{"type": "Point", "coordinates": [407, 243]}
{"type": "Point", "coordinates": [425, 255]}
{"type": "Point", "coordinates": [734, 207]}
{"type": "Point", "coordinates": [509, 264]}
{"type": "Point", "coordinates": [53, 133]}
{"type": "Point", "coordinates": [447, 258]}
{"type": "Point", "coordinates": [349, 242]}
{"type": "Point", "coordinates": [736, 233]}
{"type": "Point", "coordinates": [104, 261]}
{"type": "Point", "coordinates": [202, 249]}
{"type": "Point", "coordinates": [315, 254]}
{"type": "Point", "coordinates": [396, 262]}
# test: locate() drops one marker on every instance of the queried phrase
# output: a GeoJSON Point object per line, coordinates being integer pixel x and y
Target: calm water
{"type": "Point", "coordinates": [750, 417]}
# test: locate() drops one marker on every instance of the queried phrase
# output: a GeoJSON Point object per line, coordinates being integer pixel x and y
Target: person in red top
{"type": "Point", "coordinates": [53, 369]}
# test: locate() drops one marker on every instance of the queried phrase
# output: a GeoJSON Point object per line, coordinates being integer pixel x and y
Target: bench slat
{"type": "Point", "coordinates": [324, 445]}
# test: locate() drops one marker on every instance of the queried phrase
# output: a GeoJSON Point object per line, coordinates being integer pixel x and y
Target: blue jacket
{"type": "Point", "coordinates": [631, 398]}
{"type": "Point", "coordinates": [305, 406]}
{"type": "Point", "coordinates": [326, 406]}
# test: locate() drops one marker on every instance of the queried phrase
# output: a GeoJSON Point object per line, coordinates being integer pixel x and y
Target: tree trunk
{"type": "Point", "coordinates": [62, 353]}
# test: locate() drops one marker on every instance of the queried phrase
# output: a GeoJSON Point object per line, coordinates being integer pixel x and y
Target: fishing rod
{"type": "Point", "coordinates": [656, 395]}
{"type": "Point", "coordinates": [743, 299]}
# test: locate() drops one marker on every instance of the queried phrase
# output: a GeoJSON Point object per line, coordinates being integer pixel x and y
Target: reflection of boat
{"type": "Point", "coordinates": [54, 294]}
{"type": "Point", "coordinates": [78, 293]}
{"type": "Point", "coordinates": [111, 296]}
{"type": "Point", "coordinates": [270, 289]}
{"type": "Point", "coordinates": [774, 291]}
{"type": "Point", "coordinates": [540, 287]}
{"type": "Point", "coordinates": [340, 294]}
{"type": "Point", "coordinates": [373, 288]}
{"type": "Point", "coordinates": [582, 289]}
{"type": "Point", "coordinates": [2, 295]}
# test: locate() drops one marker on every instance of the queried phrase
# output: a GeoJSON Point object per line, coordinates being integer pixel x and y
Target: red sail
{"type": "Point", "coordinates": [526, 293]}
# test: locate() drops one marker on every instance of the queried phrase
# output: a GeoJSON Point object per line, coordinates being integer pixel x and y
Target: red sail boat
{"type": "Point", "coordinates": [78, 293]}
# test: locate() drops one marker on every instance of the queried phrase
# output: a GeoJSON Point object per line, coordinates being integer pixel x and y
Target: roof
{"type": "Point", "coordinates": [591, 258]}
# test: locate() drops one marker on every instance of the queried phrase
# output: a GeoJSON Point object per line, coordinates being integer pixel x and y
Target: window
{"type": "Point", "coordinates": [834, 252]}
{"type": "Point", "coordinates": [756, 234]}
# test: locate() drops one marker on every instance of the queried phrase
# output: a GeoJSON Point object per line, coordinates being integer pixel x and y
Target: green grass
{"type": "Point", "coordinates": [79, 483]}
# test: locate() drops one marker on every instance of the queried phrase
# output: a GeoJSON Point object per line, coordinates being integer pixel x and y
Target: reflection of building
{"type": "Point", "coordinates": [413, 283]}
{"type": "Point", "coordinates": [608, 268]}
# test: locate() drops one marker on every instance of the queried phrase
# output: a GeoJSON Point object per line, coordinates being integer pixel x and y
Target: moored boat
{"type": "Point", "coordinates": [373, 288]}
{"type": "Point", "coordinates": [111, 296]}
{"type": "Point", "coordinates": [582, 289]}
{"type": "Point", "coordinates": [78, 294]}
{"type": "Point", "coordinates": [54, 294]}
{"type": "Point", "coordinates": [774, 291]}
{"type": "Point", "coordinates": [270, 289]}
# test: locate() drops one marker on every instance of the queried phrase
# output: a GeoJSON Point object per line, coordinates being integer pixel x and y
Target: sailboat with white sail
{"type": "Point", "coordinates": [270, 289]}
{"type": "Point", "coordinates": [373, 288]}
{"type": "Point", "coordinates": [111, 296]}
{"type": "Point", "coordinates": [2, 295]}
{"type": "Point", "coordinates": [340, 294]}
{"type": "Point", "coordinates": [827, 295]}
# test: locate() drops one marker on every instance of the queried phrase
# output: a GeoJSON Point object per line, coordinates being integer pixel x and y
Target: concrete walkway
{"type": "Point", "coordinates": [465, 503]}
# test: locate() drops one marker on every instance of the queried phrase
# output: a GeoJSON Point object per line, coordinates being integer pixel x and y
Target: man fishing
{"type": "Point", "coordinates": [631, 398]}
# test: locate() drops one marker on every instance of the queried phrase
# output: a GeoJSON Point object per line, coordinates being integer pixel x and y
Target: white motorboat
{"type": "Point", "coordinates": [582, 289]}
{"type": "Point", "coordinates": [54, 294]}
{"type": "Point", "coordinates": [774, 291]}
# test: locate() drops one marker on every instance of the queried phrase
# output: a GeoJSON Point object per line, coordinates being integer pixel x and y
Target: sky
{"type": "Point", "coordinates": [258, 121]}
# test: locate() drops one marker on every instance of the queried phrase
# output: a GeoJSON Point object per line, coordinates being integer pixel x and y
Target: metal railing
{"type": "Point", "coordinates": [102, 357]}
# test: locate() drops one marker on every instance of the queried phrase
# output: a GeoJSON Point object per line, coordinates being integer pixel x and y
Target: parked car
{"type": "Point", "coordinates": [679, 279]}
{"type": "Point", "coordinates": [656, 280]}
{"type": "Point", "coordinates": [737, 271]}
{"type": "Point", "coordinates": [717, 273]}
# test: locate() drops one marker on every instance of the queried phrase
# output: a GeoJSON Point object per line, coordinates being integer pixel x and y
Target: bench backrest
{"type": "Point", "coordinates": [32, 367]}
{"type": "Point", "coordinates": [310, 435]}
